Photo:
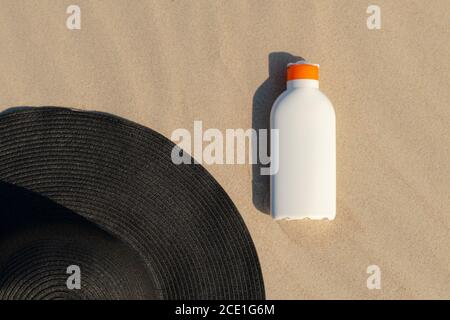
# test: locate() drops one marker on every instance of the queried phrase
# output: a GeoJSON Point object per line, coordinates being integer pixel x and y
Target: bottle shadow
{"type": "Point", "coordinates": [263, 99]}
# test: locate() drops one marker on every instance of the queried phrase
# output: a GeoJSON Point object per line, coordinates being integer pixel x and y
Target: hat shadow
{"type": "Point", "coordinates": [20, 208]}
{"type": "Point", "coordinates": [32, 225]}
{"type": "Point", "coordinates": [263, 99]}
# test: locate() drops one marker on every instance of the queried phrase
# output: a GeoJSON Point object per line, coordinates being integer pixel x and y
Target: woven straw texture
{"type": "Point", "coordinates": [101, 192]}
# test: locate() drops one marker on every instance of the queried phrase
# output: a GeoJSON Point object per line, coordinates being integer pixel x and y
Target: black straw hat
{"type": "Point", "coordinates": [101, 193]}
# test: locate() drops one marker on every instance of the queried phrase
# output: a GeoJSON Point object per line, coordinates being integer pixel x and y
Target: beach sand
{"type": "Point", "coordinates": [167, 63]}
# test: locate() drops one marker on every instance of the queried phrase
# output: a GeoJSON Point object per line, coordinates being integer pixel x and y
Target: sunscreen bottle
{"type": "Point", "coordinates": [303, 152]}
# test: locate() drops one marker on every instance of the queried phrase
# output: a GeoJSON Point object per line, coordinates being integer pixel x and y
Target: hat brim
{"type": "Point", "coordinates": [119, 176]}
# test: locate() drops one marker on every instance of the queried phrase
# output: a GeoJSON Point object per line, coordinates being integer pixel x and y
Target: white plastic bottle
{"type": "Point", "coordinates": [303, 181]}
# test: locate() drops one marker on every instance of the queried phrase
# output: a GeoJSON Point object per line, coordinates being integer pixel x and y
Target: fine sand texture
{"type": "Point", "coordinates": [168, 63]}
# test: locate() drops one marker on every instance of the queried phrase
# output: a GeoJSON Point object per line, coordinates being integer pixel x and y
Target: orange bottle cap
{"type": "Point", "coordinates": [302, 70]}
